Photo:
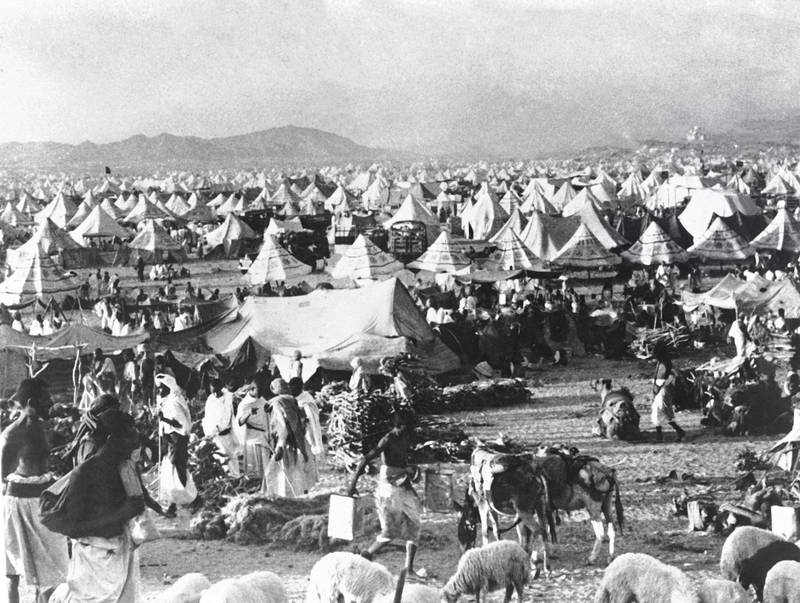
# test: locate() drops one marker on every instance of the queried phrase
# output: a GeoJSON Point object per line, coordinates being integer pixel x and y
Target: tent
{"type": "Point", "coordinates": [485, 216]}
{"type": "Point", "coordinates": [60, 210]}
{"type": "Point", "coordinates": [563, 196]}
{"type": "Point", "coordinates": [583, 250]}
{"type": "Point", "coordinates": [721, 243]}
{"type": "Point", "coordinates": [230, 238]}
{"type": "Point", "coordinates": [276, 226]}
{"type": "Point", "coordinates": [537, 201]}
{"type": "Point", "coordinates": [585, 198]}
{"type": "Point", "coordinates": [600, 228]}
{"type": "Point", "coordinates": [412, 210]}
{"type": "Point", "coordinates": [48, 238]}
{"type": "Point", "coordinates": [13, 217]}
{"type": "Point", "coordinates": [546, 235]}
{"type": "Point", "coordinates": [655, 247]}
{"type": "Point", "coordinates": [177, 205]}
{"type": "Point", "coordinates": [153, 244]}
{"type": "Point", "coordinates": [442, 256]}
{"type": "Point", "coordinates": [706, 203]}
{"type": "Point", "coordinates": [781, 234]}
{"type": "Point", "coordinates": [331, 327]}
{"type": "Point", "coordinates": [516, 223]}
{"type": "Point", "coordinates": [512, 254]}
{"type": "Point", "coordinates": [770, 298]}
{"type": "Point", "coordinates": [36, 276]}
{"type": "Point", "coordinates": [146, 210]}
{"type": "Point", "coordinates": [84, 209]}
{"type": "Point", "coordinates": [511, 202]}
{"type": "Point", "coordinates": [98, 224]}
{"type": "Point", "coordinates": [111, 209]}
{"type": "Point", "coordinates": [275, 264]}
{"type": "Point", "coordinates": [365, 260]}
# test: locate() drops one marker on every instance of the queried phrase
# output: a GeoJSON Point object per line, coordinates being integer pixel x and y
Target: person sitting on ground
{"type": "Point", "coordinates": [16, 323]}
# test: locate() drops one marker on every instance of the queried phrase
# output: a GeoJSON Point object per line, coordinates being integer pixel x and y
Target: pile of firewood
{"type": "Point", "coordinates": [674, 337]}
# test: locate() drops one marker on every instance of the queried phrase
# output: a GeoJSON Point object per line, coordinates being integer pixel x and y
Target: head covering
{"type": "Point", "coordinates": [117, 423]}
{"type": "Point", "coordinates": [278, 387]}
{"type": "Point", "coordinates": [356, 362]}
{"type": "Point", "coordinates": [31, 390]}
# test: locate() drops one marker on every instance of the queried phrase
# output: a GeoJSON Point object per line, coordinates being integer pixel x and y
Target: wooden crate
{"type": "Point", "coordinates": [345, 517]}
{"type": "Point", "coordinates": [785, 521]}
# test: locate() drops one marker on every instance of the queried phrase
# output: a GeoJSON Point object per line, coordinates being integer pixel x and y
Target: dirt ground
{"type": "Point", "coordinates": [562, 411]}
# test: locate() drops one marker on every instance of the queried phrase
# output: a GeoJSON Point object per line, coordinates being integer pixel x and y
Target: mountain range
{"type": "Point", "coordinates": [286, 145]}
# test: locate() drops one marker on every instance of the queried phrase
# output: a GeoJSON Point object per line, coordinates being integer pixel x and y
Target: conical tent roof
{"type": "Point", "coordinates": [284, 194]}
{"type": "Point", "coordinates": [84, 209]}
{"type": "Point", "coordinates": [486, 216]}
{"type": "Point", "coordinates": [274, 263]}
{"type": "Point", "coordinates": [546, 235]}
{"type": "Point", "coordinates": [146, 210]}
{"type": "Point", "coordinates": [537, 201]}
{"type": "Point", "coordinates": [516, 223]}
{"type": "Point", "coordinates": [111, 209]}
{"type": "Point", "coordinates": [510, 201]}
{"type": "Point", "coordinates": [412, 210]}
{"type": "Point", "coordinates": [36, 275]}
{"type": "Point", "coordinates": [177, 205]}
{"type": "Point", "coordinates": [230, 234]}
{"type": "Point", "coordinates": [583, 250]}
{"type": "Point", "coordinates": [48, 238]}
{"type": "Point", "coordinates": [126, 204]}
{"type": "Point", "coordinates": [442, 256]}
{"type": "Point", "coordinates": [721, 243]}
{"type": "Point", "coordinates": [601, 229]}
{"type": "Point", "coordinates": [563, 196]}
{"type": "Point", "coordinates": [707, 203]}
{"type": "Point", "coordinates": [585, 198]}
{"type": "Point", "coordinates": [153, 242]}
{"type": "Point", "coordinates": [99, 224]}
{"type": "Point", "coordinates": [781, 234]}
{"type": "Point", "coordinates": [512, 254]}
{"type": "Point", "coordinates": [28, 205]}
{"type": "Point", "coordinates": [59, 210]}
{"type": "Point", "coordinates": [365, 260]}
{"type": "Point", "coordinates": [200, 213]}
{"type": "Point", "coordinates": [13, 217]}
{"type": "Point", "coordinates": [655, 247]}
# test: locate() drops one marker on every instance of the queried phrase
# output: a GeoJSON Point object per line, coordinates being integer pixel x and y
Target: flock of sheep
{"type": "Point", "coordinates": [750, 557]}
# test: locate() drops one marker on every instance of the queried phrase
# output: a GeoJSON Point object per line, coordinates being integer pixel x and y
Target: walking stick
{"type": "Point", "coordinates": [401, 579]}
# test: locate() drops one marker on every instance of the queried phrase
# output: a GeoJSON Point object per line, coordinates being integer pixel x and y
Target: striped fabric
{"type": "Point", "coordinates": [512, 254]}
{"type": "Point", "coordinates": [781, 234]}
{"type": "Point", "coordinates": [441, 256]}
{"type": "Point", "coordinates": [655, 247]}
{"type": "Point", "coordinates": [365, 260]}
{"type": "Point", "coordinates": [36, 275]}
{"type": "Point", "coordinates": [721, 243]}
{"type": "Point", "coordinates": [583, 250]}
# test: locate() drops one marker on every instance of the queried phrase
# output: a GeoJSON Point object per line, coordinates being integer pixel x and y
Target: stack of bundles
{"type": "Point", "coordinates": [674, 337]}
{"type": "Point", "coordinates": [480, 395]}
{"type": "Point", "coordinates": [301, 523]}
{"type": "Point", "coordinates": [358, 421]}
{"type": "Point", "coordinates": [215, 487]}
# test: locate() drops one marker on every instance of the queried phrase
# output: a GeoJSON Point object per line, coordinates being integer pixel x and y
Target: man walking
{"type": "Point", "coordinates": [30, 549]}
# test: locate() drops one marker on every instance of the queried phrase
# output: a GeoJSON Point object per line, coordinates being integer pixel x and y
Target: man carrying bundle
{"type": "Point", "coordinates": [30, 549]}
{"type": "Point", "coordinates": [399, 508]}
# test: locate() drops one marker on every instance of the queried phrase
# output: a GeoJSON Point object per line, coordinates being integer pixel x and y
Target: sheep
{"type": "Point", "coordinates": [186, 589]}
{"type": "Point", "coordinates": [755, 569]}
{"type": "Point", "coordinates": [635, 576]}
{"type": "Point", "coordinates": [414, 593]}
{"type": "Point", "coordinates": [350, 576]}
{"type": "Point", "coordinates": [499, 564]}
{"type": "Point", "coordinates": [742, 543]}
{"type": "Point", "coordinates": [783, 583]}
{"type": "Point", "coordinates": [722, 591]}
{"type": "Point", "coordinates": [258, 587]}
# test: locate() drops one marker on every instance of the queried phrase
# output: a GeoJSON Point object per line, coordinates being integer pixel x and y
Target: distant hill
{"type": "Point", "coordinates": [282, 146]}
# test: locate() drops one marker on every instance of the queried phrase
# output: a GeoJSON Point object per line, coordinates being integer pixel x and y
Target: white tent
{"type": "Point", "coordinates": [706, 203]}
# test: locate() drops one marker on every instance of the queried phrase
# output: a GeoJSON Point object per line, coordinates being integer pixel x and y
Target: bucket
{"type": "Point", "coordinates": [345, 517]}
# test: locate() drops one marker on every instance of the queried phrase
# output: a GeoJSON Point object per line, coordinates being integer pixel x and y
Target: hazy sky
{"type": "Point", "coordinates": [506, 76]}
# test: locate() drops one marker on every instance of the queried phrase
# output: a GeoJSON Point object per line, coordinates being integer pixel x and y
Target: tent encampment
{"type": "Point", "coordinates": [331, 327]}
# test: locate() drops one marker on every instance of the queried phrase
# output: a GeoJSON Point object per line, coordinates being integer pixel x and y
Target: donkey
{"type": "Point", "coordinates": [583, 482]}
{"type": "Point", "coordinates": [507, 484]}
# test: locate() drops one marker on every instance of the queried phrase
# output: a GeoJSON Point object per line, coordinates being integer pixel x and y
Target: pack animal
{"type": "Point", "coordinates": [618, 419]}
{"type": "Point", "coordinates": [507, 484]}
